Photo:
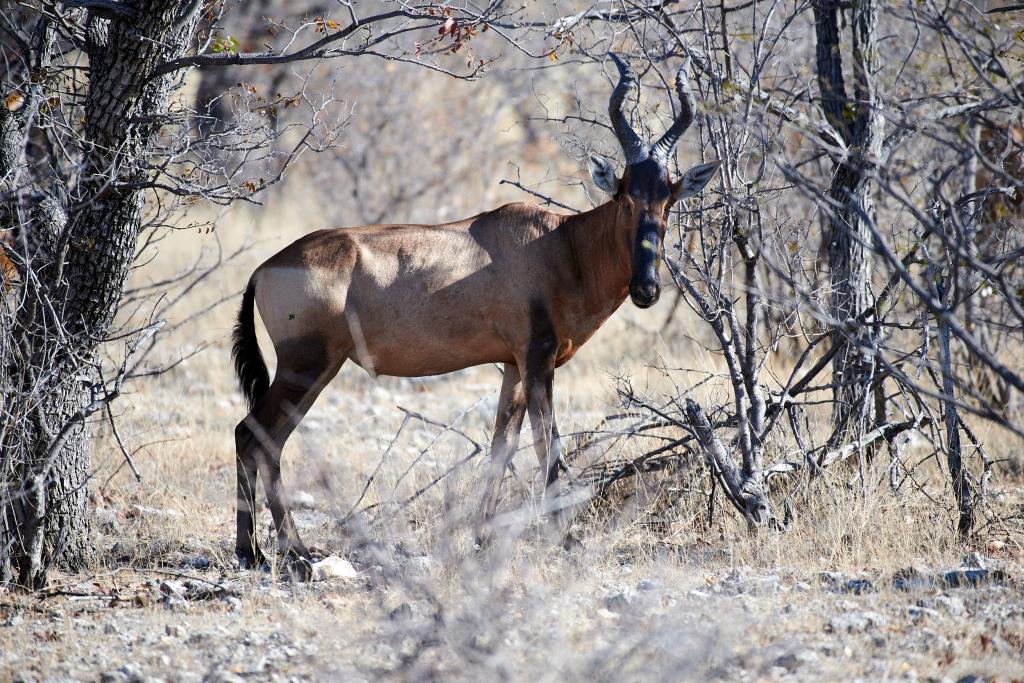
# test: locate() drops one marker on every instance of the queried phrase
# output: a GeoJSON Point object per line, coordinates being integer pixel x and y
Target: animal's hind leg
{"type": "Point", "coordinates": [300, 377]}
{"type": "Point", "coordinates": [247, 550]}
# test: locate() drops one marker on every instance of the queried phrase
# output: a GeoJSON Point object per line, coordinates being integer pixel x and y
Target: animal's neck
{"type": "Point", "coordinates": [602, 253]}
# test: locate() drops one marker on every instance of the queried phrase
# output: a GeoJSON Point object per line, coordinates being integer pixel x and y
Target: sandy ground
{"type": "Point", "coordinates": [836, 601]}
{"type": "Point", "coordinates": [662, 619]}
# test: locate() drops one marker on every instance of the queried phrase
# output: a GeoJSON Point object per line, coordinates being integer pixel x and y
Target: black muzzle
{"type": "Point", "coordinates": [645, 286]}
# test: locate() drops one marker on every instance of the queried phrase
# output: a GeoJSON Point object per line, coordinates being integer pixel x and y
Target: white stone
{"type": "Point", "coordinates": [145, 511]}
{"type": "Point", "coordinates": [302, 500]}
{"type": "Point", "coordinates": [333, 567]}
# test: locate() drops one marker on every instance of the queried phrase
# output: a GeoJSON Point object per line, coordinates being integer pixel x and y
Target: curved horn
{"type": "Point", "coordinates": [632, 145]}
{"type": "Point", "coordinates": [662, 149]}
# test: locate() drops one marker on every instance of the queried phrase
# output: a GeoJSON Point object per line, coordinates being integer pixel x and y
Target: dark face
{"type": "Point", "coordinates": [645, 197]}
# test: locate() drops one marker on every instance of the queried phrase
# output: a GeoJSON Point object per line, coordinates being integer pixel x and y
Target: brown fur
{"type": "Point", "coordinates": [426, 300]}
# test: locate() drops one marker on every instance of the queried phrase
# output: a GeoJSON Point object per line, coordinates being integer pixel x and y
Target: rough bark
{"type": "Point", "coordinates": [73, 283]}
{"type": "Point", "coordinates": [957, 473]}
{"type": "Point", "coordinates": [941, 288]}
{"type": "Point", "coordinates": [860, 124]}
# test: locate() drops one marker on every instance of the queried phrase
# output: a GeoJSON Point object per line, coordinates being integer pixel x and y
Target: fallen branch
{"type": "Point", "coordinates": [744, 492]}
{"type": "Point", "coordinates": [886, 432]}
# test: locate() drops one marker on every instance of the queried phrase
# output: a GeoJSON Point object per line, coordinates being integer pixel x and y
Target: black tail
{"type": "Point", "coordinates": [249, 365]}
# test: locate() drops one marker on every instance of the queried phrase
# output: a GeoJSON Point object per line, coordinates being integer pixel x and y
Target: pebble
{"type": "Point", "coordinates": [839, 583]}
{"type": "Point", "coordinates": [198, 562]}
{"type": "Point", "coordinates": [857, 586]}
{"type": "Point", "coordinates": [403, 611]}
{"type": "Point", "coordinates": [648, 585]}
{"type": "Point", "coordinates": [855, 622]}
{"type": "Point", "coordinates": [333, 567]}
{"type": "Point", "coordinates": [302, 500]}
{"type": "Point", "coordinates": [145, 511]}
{"type": "Point", "coordinates": [617, 603]}
{"type": "Point", "coordinates": [172, 588]}
{"type": "Point", "coordinates": [233, 604]}
{"type": "Point", "coordinates": [128, 673]}
{"type": "Point", "coordinates": [974, 560]}
{"type": "Point", "coordinates": [420, 562]}
{"type": "Point", "coordinates": [173, 596]}
{"type": "Point", "coordinates": [106, 521]}
{"type": "Point", "coordinates": [953, 605]}
{"type": "Point", "coordinates": [791, 661]}
{"type": "Point", "coordinates": [830, 578]}
{"type": "Point", "coordinates": [176, 631]}
{"type": "Point", "coordinates": [919, 613]}
{"type": "Point", "coordinates": [972, 578]}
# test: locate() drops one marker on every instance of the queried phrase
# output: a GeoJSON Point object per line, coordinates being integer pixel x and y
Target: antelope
{"type": "Point", "coordinates": [520, 285]}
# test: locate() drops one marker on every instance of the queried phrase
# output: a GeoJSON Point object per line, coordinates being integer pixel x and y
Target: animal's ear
{"type": "Point", "coordinates": [695, 179]}
{"type": "Point", "coordinates": [603, 173]}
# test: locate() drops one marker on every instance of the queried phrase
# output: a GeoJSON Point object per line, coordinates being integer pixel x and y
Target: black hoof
{"type": "Point", "coordinates": [250, 559]}
{"type": "Point", "coordinates": [484, 537]}
{"type": "Point", "coordinates": [299, 568]}
{"type": "Point", "coordinates": [570, 542]}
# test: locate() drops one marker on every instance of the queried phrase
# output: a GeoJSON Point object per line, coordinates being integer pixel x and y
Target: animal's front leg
{"type": "Point", "coordinates": [556, 444]}
{"type": "Point", "coordinates": [538, 381]}
{"type": "Point", "coordinates": [539, 384]}
{"type": "Point", "coordinates": [557, 503]}
{"type": "Point", "coordinates": [507, 423]}
{"type": "Point", "coordinates": [546, 443]}
{"type": "Point", "coordinates": [542, 423]}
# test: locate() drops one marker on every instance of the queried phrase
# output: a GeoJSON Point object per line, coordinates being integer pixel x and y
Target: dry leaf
{"type": "Point", "coordinates": [14, 101]}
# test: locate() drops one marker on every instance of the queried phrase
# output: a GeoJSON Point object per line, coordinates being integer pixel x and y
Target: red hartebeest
{"type": "Point", "coordinates": [518, 285]}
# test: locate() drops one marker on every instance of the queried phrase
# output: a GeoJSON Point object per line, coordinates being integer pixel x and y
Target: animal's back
{"type": "Point", "coordinates": [411, 299]}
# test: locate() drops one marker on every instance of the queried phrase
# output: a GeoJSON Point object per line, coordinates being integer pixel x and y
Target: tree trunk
{"type": "Point", "coordinates": [860, 125]}
{"type": "Point", "coordinates": [73, 277]}
{"type": "Point", "coordinates": [954, 455]}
